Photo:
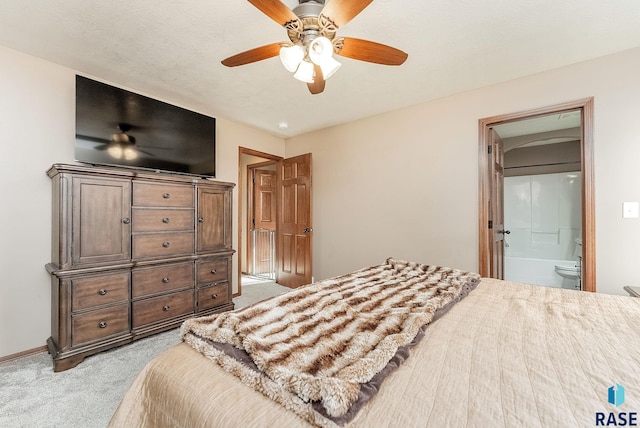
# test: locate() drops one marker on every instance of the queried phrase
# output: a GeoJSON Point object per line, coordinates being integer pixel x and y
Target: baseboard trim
{"type": "Point", "coordinates": [23, 354]}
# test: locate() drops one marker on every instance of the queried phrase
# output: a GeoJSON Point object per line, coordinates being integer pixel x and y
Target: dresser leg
{"type": "Point", "coordinates": [62, 364]}
{"type": "Point", "coordinates": [67, 363]}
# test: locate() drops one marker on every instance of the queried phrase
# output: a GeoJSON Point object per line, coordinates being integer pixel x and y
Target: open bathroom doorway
{"type": "Point", "coordinates": [536, 197]}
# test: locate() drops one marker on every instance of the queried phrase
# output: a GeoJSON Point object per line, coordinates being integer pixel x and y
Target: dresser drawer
{"type": "Point", "coordinates": [155, 309]}
{"type": "Point", "coordinates": [99, 324]}
{"type": "Point", "coordinates": [210, 297]}
{"type": "Point", "coordinates": [162, 245]}
{"type": "Point", "coordinates": [212, 270]}
{"type": "Point", "coordinates": [99, 290]}
{"type": "Point", "coordinates": [161, 279]}
{"type": "Point", "coordinates": [162, 195]}
{"type": "Point", "coordinates": [161, 220]}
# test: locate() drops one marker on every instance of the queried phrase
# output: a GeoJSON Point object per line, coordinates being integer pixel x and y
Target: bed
{"type": "Point", "coordinates": [486, 353]}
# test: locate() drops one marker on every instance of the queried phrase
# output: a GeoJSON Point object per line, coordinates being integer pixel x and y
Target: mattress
{"type": "Point", "coordinates": [506, 355]}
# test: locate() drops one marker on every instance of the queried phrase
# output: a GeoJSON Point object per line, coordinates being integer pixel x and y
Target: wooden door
{"type": "Point", "coordinates": [264, 222]}
{"type": "Point", "coordinates": [496, 205]}
{"type": "Point", "coordinates": [294, 231]}
{"type": "Point", "coordinates": [101, 220]}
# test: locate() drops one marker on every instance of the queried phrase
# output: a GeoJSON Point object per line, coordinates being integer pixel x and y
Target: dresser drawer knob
{"type": "Point", "coordinates": [165, 244]}
{"type": "Point", "coordinates": [165, 279]}
{"type": "Point", "coordinates": [214, 271]}
{"type": "Point", "coordinates": [102, 324]}
{"type": "Point", "coordinates": [102, 291]}
{"type": "Point", "coordinates": [126, 220]}
{"type": "Point", "coordinates": [165, 220]}
{"type": "Point", "coordinates": [166, 308]}
{"type": "Point", "coordinates": [166, 196]}
{"type": "Point", "coordinates": [215, 296]}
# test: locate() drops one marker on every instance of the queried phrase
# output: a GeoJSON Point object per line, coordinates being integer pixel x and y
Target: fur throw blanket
{"type": "Point", "coordinates": [320, 342]}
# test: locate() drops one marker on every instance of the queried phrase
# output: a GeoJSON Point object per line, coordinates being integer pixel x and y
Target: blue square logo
{"type": "Point", "coordinates": [616, 395]}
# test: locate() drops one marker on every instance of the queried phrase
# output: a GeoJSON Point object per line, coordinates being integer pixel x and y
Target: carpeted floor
{"type": "Point", "coordinates": [33, 396]}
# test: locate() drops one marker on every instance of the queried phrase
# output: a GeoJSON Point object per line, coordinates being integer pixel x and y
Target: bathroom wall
{"type": "Point", "coordinates": [543, 213]}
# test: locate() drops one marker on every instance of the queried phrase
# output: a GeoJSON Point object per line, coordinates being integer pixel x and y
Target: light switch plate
{"type": "Point", "coordinates": [630, 209]}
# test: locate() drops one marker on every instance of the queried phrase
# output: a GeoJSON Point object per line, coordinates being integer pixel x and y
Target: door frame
{"type": "Point", "coordinates": [269, 158]}
{"type": "Point", "coordinates": [587, 188]}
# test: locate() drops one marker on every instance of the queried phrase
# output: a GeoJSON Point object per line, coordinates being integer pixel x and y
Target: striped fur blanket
{"type": "Point", "coordinates": [322, 342]}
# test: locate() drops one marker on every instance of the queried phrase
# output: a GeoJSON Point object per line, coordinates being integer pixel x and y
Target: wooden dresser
{"type": "Point", "coordinates": [133, 254]}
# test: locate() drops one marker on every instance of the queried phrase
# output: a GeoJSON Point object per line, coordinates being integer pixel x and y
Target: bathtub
{"type": "Point", "coordinates": [537, 271]}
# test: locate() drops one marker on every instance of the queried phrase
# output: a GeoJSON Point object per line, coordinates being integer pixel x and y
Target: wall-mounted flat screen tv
{"type": "Point", "coordinates": [119, 127]}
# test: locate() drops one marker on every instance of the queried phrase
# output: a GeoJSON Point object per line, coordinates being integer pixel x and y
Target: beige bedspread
{"type": "Point", "coordinates": [507, 355]}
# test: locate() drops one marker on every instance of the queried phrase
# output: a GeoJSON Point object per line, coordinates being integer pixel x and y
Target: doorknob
{"type": "Point", "coordinates": [307, 230]}
{"type": "Point", "coordinates": [504, 236]}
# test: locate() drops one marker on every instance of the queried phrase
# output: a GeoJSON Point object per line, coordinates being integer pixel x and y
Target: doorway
{"type": "Point", "coordinates": [248, 161]}
{"type": "Point", "coordinates": [542, 200]}
{"type": "Point", "coordinates": [291, 194]}
{"type": "Point", "coordinates": [549, 148]}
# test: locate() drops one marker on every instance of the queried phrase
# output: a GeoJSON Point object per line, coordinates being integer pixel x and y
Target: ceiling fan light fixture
{"type": "Point", "coordinates": [122, 151]}
{"type": "Point", "coordinates": [129, 153]}
{"type": "Point", "coordinates": [119, 138]}
{"type": "Point", "coordinates": [320, 48]}
{"type": "Point", "coordinates": [329, 66]}
{"type": "Point", "coordinates": [321, 53]}
{"type": "Point", "coordinates": [291, 56]}
{"type": "Point", "coordinates": [305, 72]}
{"type": "Point", "coordinates": [115, 151]}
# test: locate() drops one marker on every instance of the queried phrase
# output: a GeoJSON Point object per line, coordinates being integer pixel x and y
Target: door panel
{"type": "Point", "coordinates": [496, 205]}
{"type": "Point", "coordinates": [214, 215]}
{"type": "Point", "coordinates": [101, 220]}
{"type": "Point", "coordinates": [264, 193]}
{"type": "Point", "coordinates": [295, 233]}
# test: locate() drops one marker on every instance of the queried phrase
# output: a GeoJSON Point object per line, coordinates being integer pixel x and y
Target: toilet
{"type": "Point", "coordinates": [571, 271]}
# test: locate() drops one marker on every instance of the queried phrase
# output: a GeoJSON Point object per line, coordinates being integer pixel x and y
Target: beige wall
{"type": "Point", "coordinates": [405, 184]}
{"type": "Point", "coordinates": [37, 128]}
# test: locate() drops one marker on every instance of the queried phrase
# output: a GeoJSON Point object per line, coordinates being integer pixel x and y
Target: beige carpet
{"type": "Point", "coordinates": [32, 395]}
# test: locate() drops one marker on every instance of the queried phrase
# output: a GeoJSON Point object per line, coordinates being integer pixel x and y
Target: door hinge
{"type": "Point", "coordinates": [490, 224]}
{"type": "Point", "coordinates": [490, 149]}
{"type": "Point", "coordinates": [253, 221]}
{"type": "Point", "coordinates": [253, 181]}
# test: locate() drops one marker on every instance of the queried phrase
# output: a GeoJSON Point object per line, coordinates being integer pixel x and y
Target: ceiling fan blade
{"type": "Point", "coordinates": [275, 10]}
{"type": "Point", "coordinates": [156, 147]}
{"type": "Point", "coordinates": [93, 139]}
{"type": "Point", "coordinates": [365, 50]}
{"type": "Point", "coordinates": [253, 55]}
{"type": "Point", "coordinates": [145, 152]}
{"type": "Point", "coordinates": [318, 81]}
{"type": "Point", "coordinates": [342, 11]}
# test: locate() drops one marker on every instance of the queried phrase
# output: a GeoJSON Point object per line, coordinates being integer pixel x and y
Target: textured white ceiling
{"type": "Point", "coordinates": [172, 50]}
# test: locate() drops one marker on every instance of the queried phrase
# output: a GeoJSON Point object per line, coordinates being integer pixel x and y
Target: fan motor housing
{"type": "Point", "coordinates": [308, 9]}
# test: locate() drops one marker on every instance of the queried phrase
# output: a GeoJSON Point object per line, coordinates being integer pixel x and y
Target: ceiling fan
{"type": "Point", "coordinates": [121, 145]}
{"type": "Point", "coordinates": [312, 27]}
